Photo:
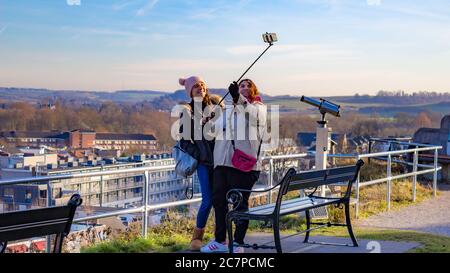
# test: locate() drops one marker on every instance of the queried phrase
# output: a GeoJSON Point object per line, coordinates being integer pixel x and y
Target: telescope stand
{"type": "Point", "coordinates": [322, 147]}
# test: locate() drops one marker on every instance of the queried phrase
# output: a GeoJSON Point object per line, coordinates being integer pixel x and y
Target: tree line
{"type": "Point", "coordinates": [108, 117]}
{"type": "Point", "coordinates": [143, 119]}
{"type": "Point", "coordinates": [401, 97]}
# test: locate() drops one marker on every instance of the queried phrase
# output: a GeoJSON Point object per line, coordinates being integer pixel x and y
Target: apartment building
{"type": "Point", "coordinates": [82, 139]}
{"type": "Point", "coordinates": [117, 190]}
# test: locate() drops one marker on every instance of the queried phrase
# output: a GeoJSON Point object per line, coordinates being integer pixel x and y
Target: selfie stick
{"type": "Point", "coordinates": [268, 38]}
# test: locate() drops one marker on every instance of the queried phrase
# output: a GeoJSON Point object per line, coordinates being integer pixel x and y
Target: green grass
{"type": "Point", "coordinates": [153, 243]}
{"type": "Point", "coordinates": [173, 234]}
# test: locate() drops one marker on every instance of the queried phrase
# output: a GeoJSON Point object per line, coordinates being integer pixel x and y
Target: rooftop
{"type": "Point", "coordinates": [114, 136]}
{"type": "Point", "coordinates": [35, 134]}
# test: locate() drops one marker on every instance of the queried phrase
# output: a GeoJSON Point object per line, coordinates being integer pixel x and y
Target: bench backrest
{"type": "Point", "coordinates": [313, 179]}
{"type": "Point", "coordinates": [38, 222]}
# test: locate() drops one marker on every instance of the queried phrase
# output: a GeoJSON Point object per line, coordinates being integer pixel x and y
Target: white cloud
{"type": "Point", "coordinates": [149, 6]}
{"type": "Point", "coordinates": [120, 6]}
{"type": "Point", "coordinates": [421, 13]}
{"type": "Point", "coordinates": [299, 51]}
{"type": "Point", "coordinates": [373, 2]}
{"type": "Point", "coordinates": [73, 2]}
{"type": "Point", "coordinates": [175, 65]}
{"type": "Point", "coordinates": [205, 14]}
{"type": "Point", "coordinates": [97, 31]}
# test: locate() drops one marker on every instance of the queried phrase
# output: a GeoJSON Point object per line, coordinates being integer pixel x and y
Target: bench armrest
{"type": "Point", "coordinates": [234, 196]}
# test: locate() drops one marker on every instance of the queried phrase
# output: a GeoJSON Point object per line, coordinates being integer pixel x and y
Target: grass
{"type": "Point", "coordinates": [153, 243]}
{"type": "Point", "coordinates": [173, 234]}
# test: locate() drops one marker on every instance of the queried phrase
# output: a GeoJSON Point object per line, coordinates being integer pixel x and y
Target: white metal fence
{"type": "Point", "coordinates": [146, 170]}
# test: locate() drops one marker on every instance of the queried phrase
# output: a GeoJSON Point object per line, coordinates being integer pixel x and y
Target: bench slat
{"type": "Point", "coordinates": [272, 205]}
{"type": "Point", "coordinates": [318, 178]}
{"type": "Point", "coordinates": [33, 223]}
{"type": "Point", "coordinates": [292, 205]}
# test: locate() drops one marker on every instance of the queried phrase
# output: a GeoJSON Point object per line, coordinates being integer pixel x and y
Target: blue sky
{"type": "Point", "coordinates": [326, 47]}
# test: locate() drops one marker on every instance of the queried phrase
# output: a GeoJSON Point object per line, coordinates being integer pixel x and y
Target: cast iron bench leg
{"type": "Point", "coordinates": [230, 233]}
{"type": "Point", "coordinates": [308, 225]}
{"type": "Point", "coordinates": [58, 243]}
{"type": "Point", "coordinates": [349, 223]}
{"type": "Point", "coordinates": [276, 235]}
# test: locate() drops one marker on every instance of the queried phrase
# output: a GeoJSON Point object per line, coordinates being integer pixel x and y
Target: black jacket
{"type": "Point", "coordinates": [203, 149]}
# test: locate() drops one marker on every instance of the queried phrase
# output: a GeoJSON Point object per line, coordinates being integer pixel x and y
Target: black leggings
{"type": "Point", "coordinates": [225, 179]}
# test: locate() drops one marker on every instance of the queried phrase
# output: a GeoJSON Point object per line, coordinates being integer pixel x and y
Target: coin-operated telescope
{"type": "Point", "coordinates": [324, 106]}
{"type": "Point", "coordinates": [323, 134]}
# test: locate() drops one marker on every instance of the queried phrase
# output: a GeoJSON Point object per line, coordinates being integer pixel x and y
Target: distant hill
{"type": "Point", "coordinates": [382, 105]}
{"type": "Point", "coordinates": [38, 95]}
{"type": "Point", "coordinates": [441, 107]}
{"type": "Point", "coordinates": [166, 102]}
{"type": "Point", "coordinates": [385, 103]}
{"type": "Point", "coordinates": [394, 100]}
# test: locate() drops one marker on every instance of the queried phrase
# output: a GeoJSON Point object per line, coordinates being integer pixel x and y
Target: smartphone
{"type": "Point", "coordinates": [270, 37]}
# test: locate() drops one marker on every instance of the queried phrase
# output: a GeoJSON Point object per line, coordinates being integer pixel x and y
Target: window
{"type": "Point", "coordinates": [28, 196]}
{"type": "Point", "coordinates": [57, 192]}
{"type": "Point", "coordinates": [8, 192]}
{"type": "Point", "coordinates": [43, 194]}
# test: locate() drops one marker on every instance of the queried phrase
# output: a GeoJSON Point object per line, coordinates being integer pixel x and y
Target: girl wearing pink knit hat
{"type": "Point", "coordinates": [202, 150]}
{"type": "Point", "coordinates": [191, 82]}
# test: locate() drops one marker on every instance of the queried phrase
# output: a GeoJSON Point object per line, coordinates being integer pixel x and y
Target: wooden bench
{"type": "Point", "coordinates": [38, 222]}
{"type": "Point", "coordinates": [293, 181]}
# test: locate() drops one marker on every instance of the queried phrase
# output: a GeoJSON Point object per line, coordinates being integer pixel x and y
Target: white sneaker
{"type": "Point", "coordinates": [214, 247]}
{"type": "Point", "coordinates": [238, 249]}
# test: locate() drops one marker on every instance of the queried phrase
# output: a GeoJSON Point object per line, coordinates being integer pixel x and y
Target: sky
{"type": "Point", "coordinates": [325, 47]}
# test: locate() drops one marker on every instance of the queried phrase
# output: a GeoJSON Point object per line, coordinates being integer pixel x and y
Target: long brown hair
{"type": "Point", "coordinates": [253, 89]}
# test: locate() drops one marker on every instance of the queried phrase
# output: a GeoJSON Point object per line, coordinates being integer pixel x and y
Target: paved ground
{"type": "Point", "coordinates": [295, 244]}
{"type": "Point", "coordinates": [432, 216]}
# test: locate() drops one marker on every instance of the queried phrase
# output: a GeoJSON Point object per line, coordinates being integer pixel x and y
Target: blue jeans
{"type": "Point", "coordinates": [204, 174]}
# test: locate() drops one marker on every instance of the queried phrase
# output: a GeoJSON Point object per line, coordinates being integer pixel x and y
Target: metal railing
{"type": "Point", "coordinates": [388, 157]}
{"type": "Point", "coordinates": [146, 170]}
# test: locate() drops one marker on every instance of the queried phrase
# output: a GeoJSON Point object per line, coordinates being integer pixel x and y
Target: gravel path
{"type": "Point", "coordinates": [432, 216]}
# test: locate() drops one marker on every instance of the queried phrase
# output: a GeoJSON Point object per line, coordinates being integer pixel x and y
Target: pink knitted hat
{"type": "Point", "coordinates": [189, 83]}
